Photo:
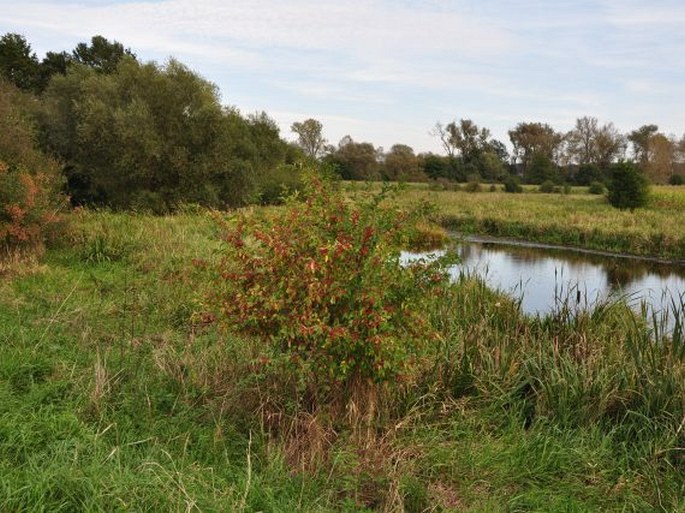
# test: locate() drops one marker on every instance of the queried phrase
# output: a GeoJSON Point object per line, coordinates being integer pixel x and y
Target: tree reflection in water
{"type": "Point", "coordinates": [543, 275]}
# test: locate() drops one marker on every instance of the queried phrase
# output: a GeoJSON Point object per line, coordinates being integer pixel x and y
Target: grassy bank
{"type": "Point", "coordinates": [577, 219]}
{"type": "Point", "coordinates": [120, 394]}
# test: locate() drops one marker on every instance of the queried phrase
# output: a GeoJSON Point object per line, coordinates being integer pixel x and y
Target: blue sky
{"type": "Point", "coordinates": [385, 71]}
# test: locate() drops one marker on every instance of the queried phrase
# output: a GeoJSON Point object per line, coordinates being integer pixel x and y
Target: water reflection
{"type": "Point", "coordinates": [541, 277]}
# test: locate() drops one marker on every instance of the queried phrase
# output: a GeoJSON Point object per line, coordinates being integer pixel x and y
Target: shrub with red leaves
{"type": "Point", "coordinates": [322, 285]}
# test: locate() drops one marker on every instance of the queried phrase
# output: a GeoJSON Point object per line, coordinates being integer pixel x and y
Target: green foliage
{"type": "Point", "coordinates": [101, 55]}
{"type": "Point", "coordinates": [677, 180]}
{"type": "Point", "coordinates": [512, 184]}
{"type": "Point", "coordinates": [355, 161]}
{"type": "Point", "coordinates": [473, 185]}
{"type": "Point", "coordinates": [401, 165]}
{"type": "Point", "coordinates": [111, 399]}
{"type": "Point", "coordinates": [438, 167]}
{"type": "Point", "coordinates": [629, 187]}
{"type": "Point", "coordinates": [547, 186]}
{"type": "Point", "coordinates": [282, 183]}
{"type": "Point", "coordinates": [310, 137]}
{"type": "Point", "coordinates": [588, 174]}
{"type": "Point", "coordinates": [150, 137]}
{"type": "Point", "coordinates": [323, 287]}
{"type": "Point", "coordinates": [596, 188]}
{"type": "Point", "coordinates": [541, 169]}
{"type": "Point", "coordinates": [20, 66]}
{"type": "Point", "coordinates": [18, 63]}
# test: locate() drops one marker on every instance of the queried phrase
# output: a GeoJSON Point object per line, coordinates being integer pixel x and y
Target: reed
{"type": "Point", "coordinates": [119, 392]}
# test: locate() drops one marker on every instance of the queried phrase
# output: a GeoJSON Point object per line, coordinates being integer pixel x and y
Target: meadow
{"type": "Point", "coordinates": [119, 393]}
{"type": "Point", "coordinates": [577, 219]}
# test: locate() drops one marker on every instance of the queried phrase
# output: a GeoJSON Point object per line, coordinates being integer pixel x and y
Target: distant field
{"type": "Point", "coordinates": [575, 219]}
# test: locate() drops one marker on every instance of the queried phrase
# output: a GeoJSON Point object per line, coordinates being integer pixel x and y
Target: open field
{"type": "Point", "coordinates": [577, 219]}
{"type": "Point", "coordinates": [117, 396]}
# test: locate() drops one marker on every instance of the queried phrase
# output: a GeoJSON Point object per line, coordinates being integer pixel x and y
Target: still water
{"type": "Point", "coordinates": [541, 277]}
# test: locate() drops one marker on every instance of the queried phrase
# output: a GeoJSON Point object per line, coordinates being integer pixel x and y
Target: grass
{"type": "Point", "coordinates": [117, 395]}
{"type": "Point", "coordinates": [577, 219]}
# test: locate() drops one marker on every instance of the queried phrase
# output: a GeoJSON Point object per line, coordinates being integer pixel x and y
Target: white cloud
{"type": "Point", "coordinates": [386, 70]}
{"type": "Point", "coordinates": [375, 27]}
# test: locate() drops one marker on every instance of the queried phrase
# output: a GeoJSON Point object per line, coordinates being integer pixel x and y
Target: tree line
{"type": "Point", "coordinates": [139, 135]}
{"type": "Point", "coordinates": [540, 154]}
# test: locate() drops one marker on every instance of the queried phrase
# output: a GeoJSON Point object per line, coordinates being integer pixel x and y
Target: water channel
{"type": "Point", "coordinates": [542, 276]}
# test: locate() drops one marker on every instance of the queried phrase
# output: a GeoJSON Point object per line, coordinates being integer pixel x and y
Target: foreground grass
{"type": "Point", "coordinates": [578, 219]}
{"type": "Point", "coordinates": [116, 395]}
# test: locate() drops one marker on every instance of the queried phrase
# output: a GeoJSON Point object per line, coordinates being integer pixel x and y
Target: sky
{"type": "Point", "coordinates": [386, 71]}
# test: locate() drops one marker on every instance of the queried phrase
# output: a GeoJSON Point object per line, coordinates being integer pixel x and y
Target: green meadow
{"type": "Point", "coordinates": [576, 219]}
{"type": "Point", "coordinates": [120, 394]}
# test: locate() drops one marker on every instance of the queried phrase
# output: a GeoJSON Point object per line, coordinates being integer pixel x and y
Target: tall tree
{"type": "Point", "coordinates": [464, 138]}
{"type": "Point", "coordinates": [610, 145]}
{"type": "Point", "coordinates": [356, 160]}
{"type": "Point", "coordinates": [662, 154]}
{"type": "Point", "coordinates": [581, 141]}
{"type": "Point", "coordinates": [679, 166]}
{"type": "Point", "coordinates": [18, 63]}
{"type": "Point", "coordinates": [149, 136]}
{"type": "Point", "coordinates": [531, 139]}
{"type": "Point", "coordinates": [52, 64]}
{"type": "Point", "coordinates": [592, 144]}
{"type": "Point", "coordinates": [310, 137]}
{"type": "Point", "coordinates": [101, 55]}
{"type": "Point", "coordinates": [640, 139]}
{"type": "Point", "coordinates": [402, 164]}
{"type": "Point", "coordinates": [440, 131]}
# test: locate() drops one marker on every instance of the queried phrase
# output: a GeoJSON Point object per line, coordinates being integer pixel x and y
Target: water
{"type": "Point", "coordinates": [541, 277]}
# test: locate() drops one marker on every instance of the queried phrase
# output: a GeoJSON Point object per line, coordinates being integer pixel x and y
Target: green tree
{"type": "Point", "coordinates": [52, 64]}
{"type": "Point", "coordinates": [640, 139]}
{"type": "Point", "coordinates": [628, 188]}
{"type": "Point", "coordinates": [401, 164]}
{"type": "Point", "coordinates": [512, 184]}
{"type": "Point", "coordinates": [588, 173]}
{"type": "Point", "coordinates": [18, 63]}
{"type": "Point", "coordinates": [150, 136]}
{"type": "Point", "coordinates": [310, 137]}
{"type": "Point", "coordinates": [491, 167]}
{"type": "Point", "coordinates": [531, 139]}
{"type": "Point", "coordinates": [464, 139]}
{"type": "Point", "coordinates": [355, 161]}
{"type": "Point", "coordinates": [101, 55]}
{"type": "Point", "coordinates": [542, 169]}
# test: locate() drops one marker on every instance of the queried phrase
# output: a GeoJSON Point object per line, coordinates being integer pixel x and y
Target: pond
{"type": "Point", "coordinates": [542, 277]}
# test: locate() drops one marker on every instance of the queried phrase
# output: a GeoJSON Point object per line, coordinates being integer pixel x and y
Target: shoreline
{"type": "Point", "coordinates": [509, 241]}
{"type": "Point", "coordinates": [657, 248]}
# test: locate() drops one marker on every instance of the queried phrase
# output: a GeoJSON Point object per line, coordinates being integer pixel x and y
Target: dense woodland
{"type": "Point", "coordinates": [132, 134]}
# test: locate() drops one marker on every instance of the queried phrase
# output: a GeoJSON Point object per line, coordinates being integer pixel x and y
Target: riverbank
{"type": "Point", "coordinates": [578, 219]}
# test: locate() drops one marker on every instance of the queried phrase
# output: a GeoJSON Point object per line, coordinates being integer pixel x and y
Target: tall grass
{"type": "Point", "coordinates": [117, 392]}
{"type": "Point", "coordinates": [576, 219]}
